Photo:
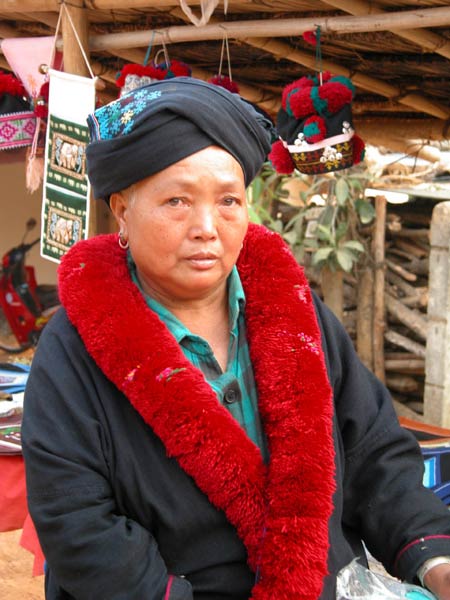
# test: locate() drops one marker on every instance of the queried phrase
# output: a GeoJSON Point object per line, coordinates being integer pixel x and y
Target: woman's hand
{"type": "Point", "coordinates": [437, 580]}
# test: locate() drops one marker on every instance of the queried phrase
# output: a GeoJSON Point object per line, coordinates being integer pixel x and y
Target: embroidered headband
{"type": "Point", "coordinates": [155, 126]}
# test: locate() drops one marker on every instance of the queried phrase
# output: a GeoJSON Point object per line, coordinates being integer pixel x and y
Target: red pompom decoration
{"type": "Point", "coordinates": [225, 82]}
{"type": "Point", "coordinates": [310, 37]}
{"type": "Point", "coordinates": [314, 129]}
{"type": "Point", "coordinates": [9, 84]}
{"type": "Point", "coordinates": [301, 103]}
{"type": "Point", "coordinates": [281, 159]}
{"type": "Point", "coordinates": [336, 95]}
{"type": "Point", "coordinates": [299, 84]}
{"type": "Point", "coordinates": [41, 110]}
{"type": "Point", "coordinates": [359, 149]}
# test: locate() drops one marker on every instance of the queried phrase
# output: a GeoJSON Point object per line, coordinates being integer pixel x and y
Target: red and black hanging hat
{"type": "Point", "coordinates": [315, 127]}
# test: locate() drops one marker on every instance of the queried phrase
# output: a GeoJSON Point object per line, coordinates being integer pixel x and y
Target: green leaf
{"type": "Point", "coordinates": [257, 189]}
{"type": "Point", "coordinates": [342, 191]}
{"type": "Point", "coordinates": [290, 237]}
{"type": "Point", "coordinates": [277, 226]}
{"type": "Point", "coordinates": [345, 259]}
{"type": "Point", "coordinates": [326, 216]}
{"type": "Point", "coordinates": [341, 230]}
{"type": "Point", "coordinates": [354, 246]}
{"type": "Point", "coordinates": [253, 215]}
{"type": "Point", "coordinates": [365, 211]}
{"type": "Point", "coordinates": [323, 233]}
{"type": "Point", "coordinates": [321, 256]}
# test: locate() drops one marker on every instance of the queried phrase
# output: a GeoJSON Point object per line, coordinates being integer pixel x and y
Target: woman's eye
{"type": "Point", "coordinates": [175, 202]}
{"type": "Point", "coordinates": [230, 201]}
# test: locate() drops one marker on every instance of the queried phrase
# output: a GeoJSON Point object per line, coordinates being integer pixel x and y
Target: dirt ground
{"type": "Point", "coordinates": [16, 564]}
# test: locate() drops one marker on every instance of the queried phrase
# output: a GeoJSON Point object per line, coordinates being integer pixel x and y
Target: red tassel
{"type": "Point", "coordinates": [281, 159]}
{"type": "Point", "coordinates": [225, 82]}
{"type": "Point", "coordinates": [359, 149]}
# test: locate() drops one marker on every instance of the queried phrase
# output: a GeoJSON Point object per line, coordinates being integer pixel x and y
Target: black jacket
{"type": "Point", "coordinates": [125, 496]}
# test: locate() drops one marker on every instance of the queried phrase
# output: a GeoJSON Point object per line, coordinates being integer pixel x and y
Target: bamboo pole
{"type": "Point", "coordinates": [273, 28]}
{"type": "Point", "coordinates": [398, 128]}
{"type": "Point", "coordinates": [49, 5]}
{"type": "Point", "coordinates": [425, 39]}
{"type": "Point", "coordinates": [379, 319]}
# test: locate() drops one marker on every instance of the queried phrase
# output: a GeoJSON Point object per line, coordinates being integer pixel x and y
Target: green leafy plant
{"type": "Point", "coordinates": [324, 223]}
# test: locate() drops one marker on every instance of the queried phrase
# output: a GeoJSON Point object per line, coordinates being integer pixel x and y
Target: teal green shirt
{"type": "Point", "coordinates": [235, 388]}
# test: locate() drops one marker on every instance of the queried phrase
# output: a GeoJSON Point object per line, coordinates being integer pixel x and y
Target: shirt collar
{"type": "Point", "coordinates": [236, 303]}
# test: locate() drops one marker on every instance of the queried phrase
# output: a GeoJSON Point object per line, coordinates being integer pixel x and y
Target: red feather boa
{"type": "Point", "coordinates": [281, 511]}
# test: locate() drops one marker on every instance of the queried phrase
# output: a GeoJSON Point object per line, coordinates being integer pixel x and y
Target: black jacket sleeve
{"type": "Point", "coordinates": [401, 522]}
{"type": "Point", "coordinates": [92, 550]}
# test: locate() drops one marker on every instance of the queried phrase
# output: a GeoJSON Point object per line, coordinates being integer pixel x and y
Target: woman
{"type": "Point", "coordinates": [196, 424]}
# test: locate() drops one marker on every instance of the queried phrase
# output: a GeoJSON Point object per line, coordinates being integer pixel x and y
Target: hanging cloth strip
{"type": "Point", "coordinates": [207, 8]}
{"type": "Point", "coordinates": [66, 189]}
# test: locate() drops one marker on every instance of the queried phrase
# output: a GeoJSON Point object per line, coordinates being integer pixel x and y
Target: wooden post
{"type": "Point", "coordinates": [332, 284]}
{"type": "Point", "coordinates": [437, 361]}
{"type": "Point", "coordinates": [379, 284]}
{"type": "Point", "coordinates": [73, 57]}
{"type": "Point", "coordinates": [365, 317]}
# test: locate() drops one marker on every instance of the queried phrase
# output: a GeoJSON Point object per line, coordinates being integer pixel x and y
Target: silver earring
{"type": "Point", "coordinates": [123, 243]}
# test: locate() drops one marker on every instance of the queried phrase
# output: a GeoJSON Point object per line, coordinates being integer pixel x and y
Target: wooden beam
{"type": "Point", "coordinates": [395, 127]}
{"type": "Point", "coordinates": [49, 5]}
{"type": "Point", "coordinates": [425, 39]}
{"type": "Point", "coordinates": [272, 28]}
{"type": "Point", "coordinates": [414, 148]}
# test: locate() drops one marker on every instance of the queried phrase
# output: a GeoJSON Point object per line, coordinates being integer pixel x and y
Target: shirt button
{"type": "Point", "coordinates": [230, 396]}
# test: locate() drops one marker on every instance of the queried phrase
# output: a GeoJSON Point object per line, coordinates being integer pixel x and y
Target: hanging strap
{"type": "Point", "coordinates": [226, 46]}
{"type": "Point", "coordinates": [58, 25]}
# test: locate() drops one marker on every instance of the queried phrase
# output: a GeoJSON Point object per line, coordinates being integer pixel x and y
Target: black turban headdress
{"type": "Point", "coordinates": [155, 126]}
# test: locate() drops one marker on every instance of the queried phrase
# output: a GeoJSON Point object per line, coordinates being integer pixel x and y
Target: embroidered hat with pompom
{"type": "Point", "coordinates": [315, 127]}
{"type": "Point", "coordinates": [17, 121]}
{"type": "Point", "coordinates": [133, 76]}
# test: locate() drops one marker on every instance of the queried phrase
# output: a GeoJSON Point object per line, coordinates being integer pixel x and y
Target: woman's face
{"type": "Point", "coordinates": [185, 225]}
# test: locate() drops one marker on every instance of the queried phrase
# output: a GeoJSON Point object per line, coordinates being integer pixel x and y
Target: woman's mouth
{"type": "Point", "coordinates": [202, 261]}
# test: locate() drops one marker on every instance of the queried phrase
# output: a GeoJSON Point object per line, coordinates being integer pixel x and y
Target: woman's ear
{"type": "Point", "coordinates": [118, 204]}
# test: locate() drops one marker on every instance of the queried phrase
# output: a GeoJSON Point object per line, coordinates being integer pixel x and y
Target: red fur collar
{"type": "Point", "coordinates": [281, 511]}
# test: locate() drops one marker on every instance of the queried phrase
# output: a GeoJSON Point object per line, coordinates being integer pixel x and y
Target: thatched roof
{"type": "Point", "coordinates": [397, 53]}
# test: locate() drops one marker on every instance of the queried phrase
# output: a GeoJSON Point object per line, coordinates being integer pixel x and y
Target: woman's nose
{"type": "Point", "coordinates": [204, 224]}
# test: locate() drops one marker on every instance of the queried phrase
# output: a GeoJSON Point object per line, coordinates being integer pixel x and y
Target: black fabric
{"type": "Point", "coordinates": [187, 116]}
{"type": "Point", "coordinates": [10, 104]}
{"type": "Point", "coordinates": [289, 127]}
{"type": "Point", "coordinates": [143, 516]}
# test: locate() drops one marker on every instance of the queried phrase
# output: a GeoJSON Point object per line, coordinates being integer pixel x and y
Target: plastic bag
{"type": "Point", "coordinates": [355, 582]}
